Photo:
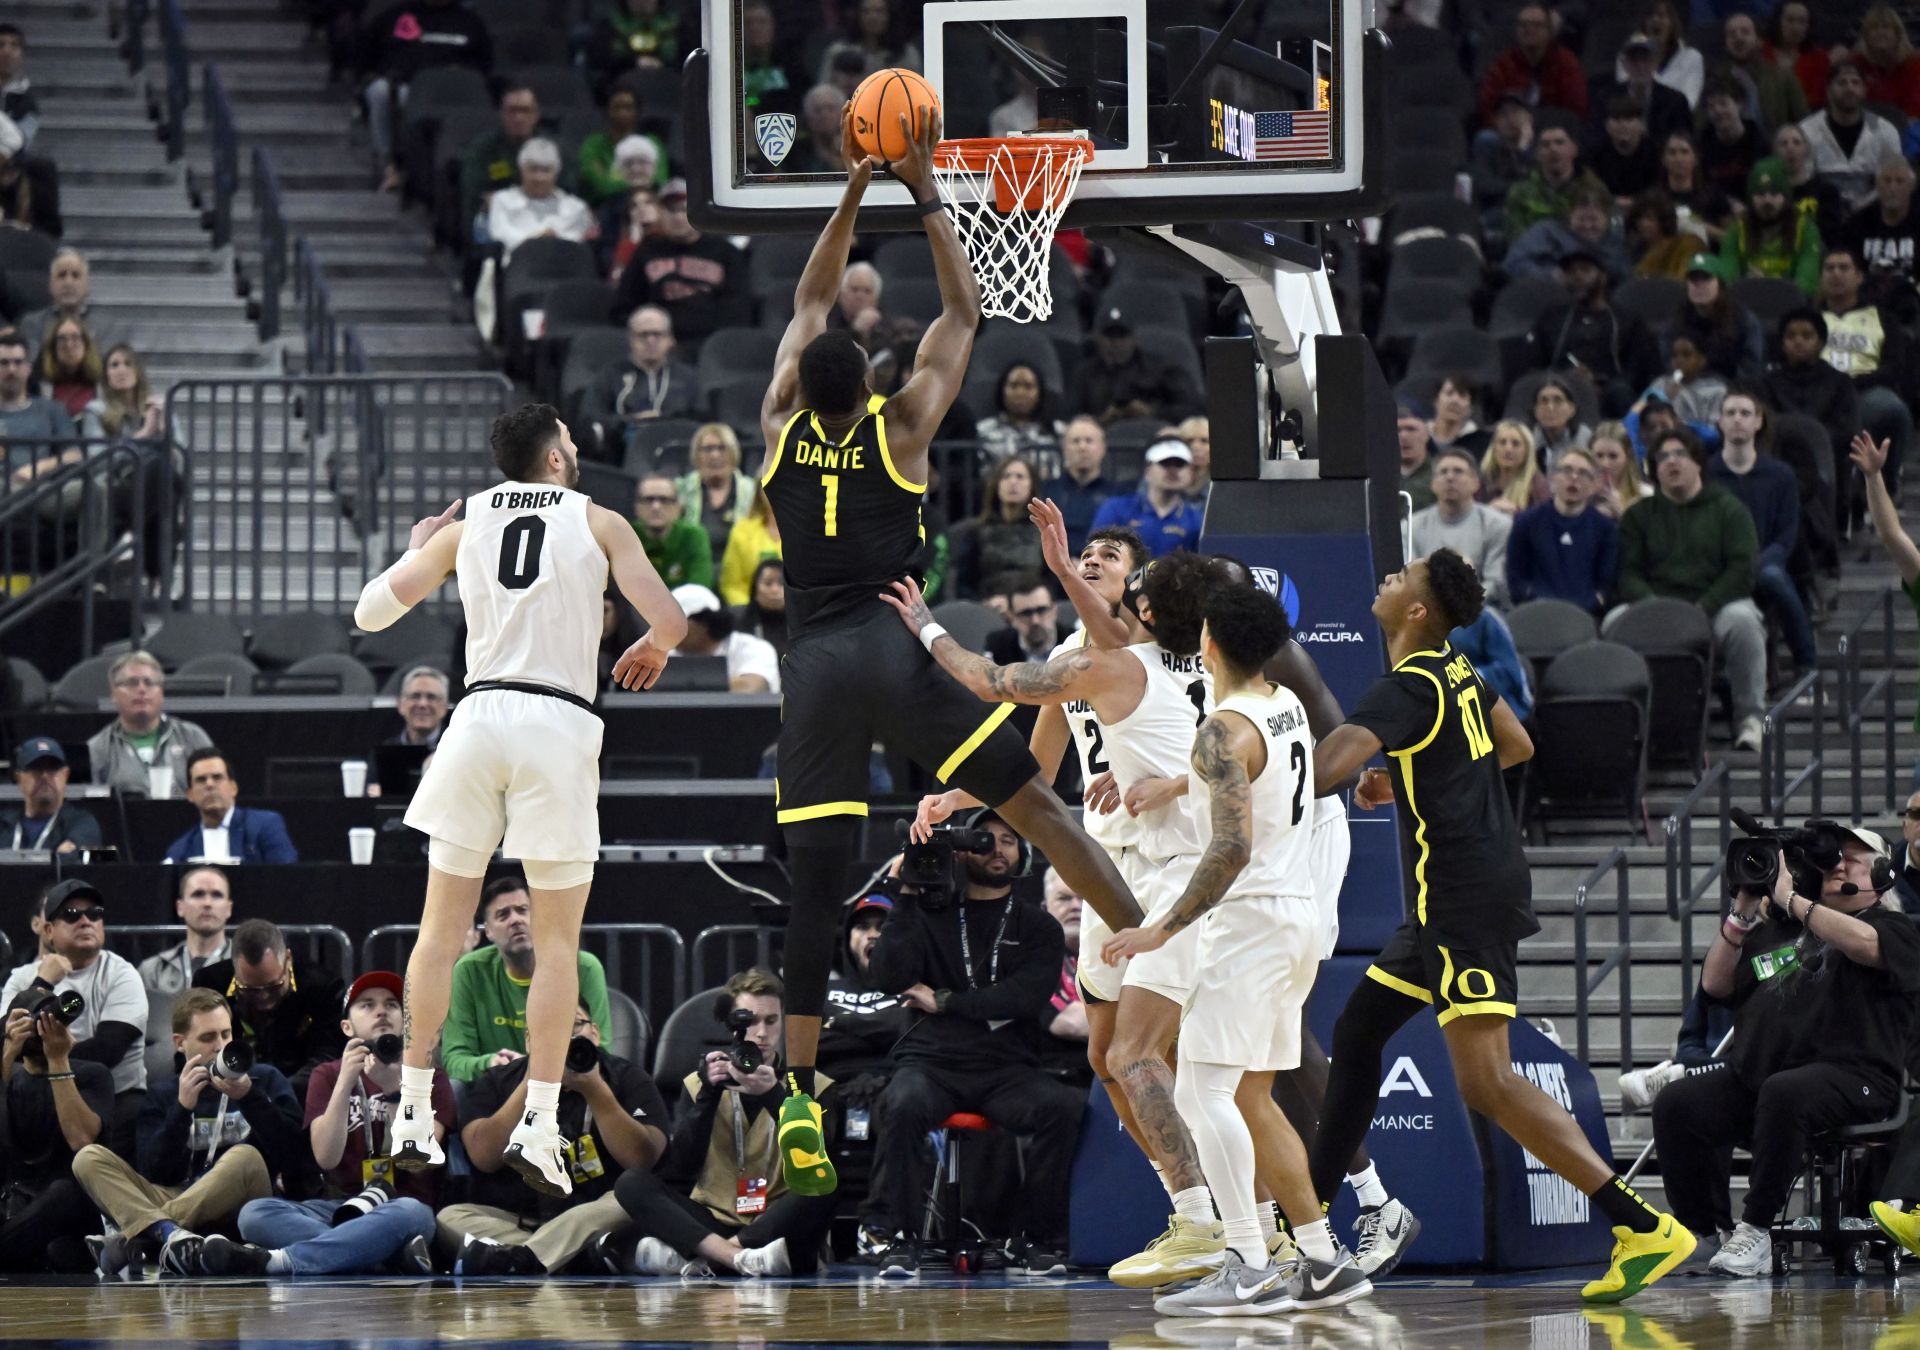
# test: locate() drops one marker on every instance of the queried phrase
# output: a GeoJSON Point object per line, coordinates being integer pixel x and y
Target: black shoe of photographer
{"type": "Point", "coordinates": [609, 1253]}
{"type": "Point", "coordinates": [180, 1254]}
{"type": "Point", "coordinates": [1037, 1259]}
{"type": "Point", "coordinates": [415, 1258]}
{"type": "Point", "coordinates": [223, 1256]}
{"type": "Point", "coordinates": [499, 1258]}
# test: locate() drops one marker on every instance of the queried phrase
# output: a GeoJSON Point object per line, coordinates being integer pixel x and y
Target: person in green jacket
{"type": "Point", "coordinates": [599, 171]}
{"type": "Point", "coordinates": [487, 1011]}
{"type": "Point", "coordinates": [677, 548]}
{"type": "Point", "coordinates": [1777, 237]}
{"type": "Point", "coordinates": [1693, 540]}
{"type": "Point", "coordinates": [1547, 192]}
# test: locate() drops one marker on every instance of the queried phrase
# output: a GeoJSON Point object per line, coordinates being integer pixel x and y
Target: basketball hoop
{"type": "Point", "coordinates": [1006, 195]}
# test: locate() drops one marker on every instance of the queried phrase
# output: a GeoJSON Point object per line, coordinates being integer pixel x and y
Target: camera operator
{"type": "Point", "coordinates": [371, 1216]}
{"type": "Point", "coordinates": [613, 1113]}
{"type": "Point", "coordinates": [51, 1107]}
{"type": "Point", "coordinates": [211, 1139]}
{"type": "Point", "coordinates": [1823, 979]}
{"type": "Point", "coordinates": [982, 973]}
{"type": "Point", "coordinates": [720, 1198]}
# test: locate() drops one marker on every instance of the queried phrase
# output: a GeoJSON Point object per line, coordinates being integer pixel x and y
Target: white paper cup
{"type": "Point", "coordinates": [360, 844]}
{"type": "Point", "coordinates": [353, 777]}
{"type": "Point", "coordinates": [159, 781]}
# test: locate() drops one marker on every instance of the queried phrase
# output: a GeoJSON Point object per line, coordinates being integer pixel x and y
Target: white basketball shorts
{"type": "Point", "coordinates": [1328, 849]}
{"type": "Point", "coordinates": [1167, 972]}
{"type": "Point", "coordinates": [1096, 976]}
{"type": "Point", "coordinates": [1253, 969]}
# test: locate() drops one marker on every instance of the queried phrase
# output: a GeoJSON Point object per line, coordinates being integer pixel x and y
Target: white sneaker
{"type": "Point", "coordinates": [1639, 1087]}
{"type": "Point", "coordinates": [1385, 1234]}
{"type": "Point", "coordinates": [410, 1141]}
{"type": "Point", "coordinates": [537, 1152]}
{"type": "Point", "coordinates": [1235, 1290]}
{"type": "Point", "coordinates": [654, 1257]}
{"type": "Point", "coordinates": [761, 1262]}
{"type": "Point", "coordinates": [1748, 1253]}
{"type": "Point", "coordinates": [1751, 734]}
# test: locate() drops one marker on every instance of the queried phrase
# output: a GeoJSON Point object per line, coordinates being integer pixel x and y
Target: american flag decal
{"type": "Point", "coordinates": [1304, 134]}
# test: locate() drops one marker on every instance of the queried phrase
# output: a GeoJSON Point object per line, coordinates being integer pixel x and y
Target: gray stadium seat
{"type": "Point", "coordinates": [284, 639]}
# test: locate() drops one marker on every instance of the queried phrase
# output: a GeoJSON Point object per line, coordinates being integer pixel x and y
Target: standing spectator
{"type": "Point", "coordinates": [1121, 380]}
{"type": "Point", "coordinates": [675, 546]}
{"type": "Point", "coordinates": [1556, 421]}
{"type": "Point", "coordinates": [1588, 226]}
{"type": "Point", "coordinates": [1033, 625]}
{"type": "Point", "coordinates": [1702, 206]}
{"type": "Point", "coordinates": [1588, 333]}
{"type": "Point", "coordinates": [45, 819]}
{"type": "Point", "coordinates": [127, 408]}
{"type": "Point", "coordinates": [1868, 348]}
{"type": "Point", "coordinates": [536, 207]}
{"type": "Point", "coordinates": [1566, 548]}
{"type": "Point", "coordinates": [29, 185]}
{"type": "Point", "coordinates": [70, 292]}
{"type": "Point", "coordinates": [1848, 141]}
{"type": "Point", "coordinates": [70, 369]}
{"type": "Point", "coordinates": [765, 613]}
{"type": "Point", "coordinates": [205, 906]}
{"type": "Point", "coordinates": [142, 736]}
{"type": "Point", "coordinates": [1416, 456]}
{"type": "Point", "coordinates": [1885, 233]}
{"type": "Point", "coordinates": [24, 417]}
{"type": "Point", "coordinates": [1775, 237]}
{"type": "Point", "coordinates": [752, 541]}
{"type": "Point", "coordinates": [1722, 328]}
{"type": "Point", "coordinates": [601, 175]}
{"type": "Point", "coordinates": [1675, 64]}
{"type": "Point", "coordinates": [1537, 67]}
{"type": "Point", "coordinates": [715, 492]}
{"type": "Point", "coordinates": [1802, 382]}
{"type": "Point", "coordinates": [1690, 387]}
{"type": "Point", "coordinates": [1771, 493]}
{"type": "Point", "coordinates": [1791, 46]}
{"type": "Point", "coordinates": [1693, 541]}
{"type": "Point", "coordinates": [54, 1106]}
{"type": "Point", "coordinates": [1623, 155]}
{"type": "Point", "coordinates": [699, 279]}
{"type": "Point", "coordinates": [753, 667]}
{"type": "Point", "coordinates": [17, 100]}
{"type": "Point", "coordinates": [1511, 479]}
{"type": "Point", "coordinates": [1730, 143]}
{"type": "Point", "coordinates": [227, 832]}
{"type": "Point", "coordinates": [1159, 512]}
{"type": "Point", "coordinates": [1081, 488]}
{"type": "Point", "coordinates": [1662, 109]}
{"type": "Point", "coordinates": [1454, 404]}
{"type": "Point", "coordinates": [1777, 96]}
{"type": "Point", "coordinates": [400, 42]}
{"type": "Point", "coordinates": [1887, 61]}
{"type": "Point", "coordinates": [1791, 148]}
{"type": "Point", "coordinates": [1653, 227]}
{"type": "Point", "coordinates": [1475, 531]}
{"type": "Point", "coordinates": [634, 34]}
{"type": "Point", "coordinates": [492, 161]}
{"type": "Point", "coordinates": [291, 1018]}
{"type": "Point", "coordinates": [650, 383]}
{"type": "Point", "coordinates": [1547, 193]}
{"type": "Point", "coordinates": [1022, 423]}
{"type": "Point", "coordinates": [1502, 155]}
{"type": "Point", "coordinates": [999, 540]}
{"type": "Point", "coordinates": [1620, 484]}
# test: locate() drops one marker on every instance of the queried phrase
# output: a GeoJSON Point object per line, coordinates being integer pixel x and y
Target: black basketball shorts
{"type": "Point", "coordinates": [1456, 981]}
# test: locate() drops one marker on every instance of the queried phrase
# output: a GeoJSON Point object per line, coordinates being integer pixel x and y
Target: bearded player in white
{"type": "Point", "coordinates": [1251, 898]}
{"type": "Point", "coordinates": [520, 758]}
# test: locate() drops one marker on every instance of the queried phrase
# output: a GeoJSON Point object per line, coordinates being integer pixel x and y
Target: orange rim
{"type": "Point", "coordinates": [996, 154]}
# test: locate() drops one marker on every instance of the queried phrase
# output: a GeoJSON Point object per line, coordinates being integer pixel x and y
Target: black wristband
{"type": "Point", "coordinates": [931, 205]}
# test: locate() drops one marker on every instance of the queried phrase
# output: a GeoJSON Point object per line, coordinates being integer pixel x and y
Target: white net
{"type": "Point", "coordinates": [1006, 197]}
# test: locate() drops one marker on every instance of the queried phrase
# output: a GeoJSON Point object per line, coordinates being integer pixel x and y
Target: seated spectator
{"type": "Point", "coordinates": [634, 34]}
{"type": "Point", "coordinates": [863, 1022]}
{"type": "Point", "coordinates": [1488, 643]}
{"type": "Point", "coordinates": [1694, 541]}
{"type": "Point", "coordinates": [1792, 46]}
{"type": "Point", "coordinates": [142, 737]}
{"type": "Point", "coordinates": [70, 920]}
{"type": "Point", "coordinates": [1868, 348]}
{"type": "Point", "coordinates": [857, 308]}
{"type": "Point", "coordinates": [1069, 1010]}
{"type": "Point", "coordinates": [1455, 404]}
{"type": "Point", "coordinates": [536, 207]}
{"type": "Point", "coordinates": [820, 132]}
{"type": "Point", "coordinates": [1724, 331]}
{"type": "Point", "coordinates": [769, 82]}
{"type": "Point", "coordinates": [715, 493]}
{"type": "Point", "coordinates": [1801, 382]}
{"type": "Point", "coordinates": [718, 1200]}
{"type": "Point", "coordinates": [69, 368]}
{"type": "Point", "coordinates": [1906, 857]}
{"type": "Point", "coordinates": [1556, 421]}
{"type": "Point", "coordinates": [1675, 64]}
{"type": "Point", "coordinates": [1775, 237]}
{"type": "Point", "coordinates": [208, 1144]}
{"type": "Point", "coordinates": [400, 42]}
{"type": "Point", "coordinates": [29, 185]}
{"type": "Point", "coordinates": [1885, 233]}
{"type": "Point", "coordinates": [1416, 456]}
{"type": "Point", "coordinates": [1081, 488]}
{"type": "Point", "coordinates": [1000, 539]}
{"type": "Point", "coordinates": [648, 384]}
{"type": "Point", "coordinates": [627, 219]}
{"type": "Point", "coordinates": [1121, 380]}
{"type": "Point", "coordinates": [127, 408]}
{"type": "Point", "coordinates": [17, 99]}
{"type": "Point", "coordinates": [1660, 248]}
{"type": "Point", "coordinates": [204, 905]}
{"type": "Point", "coordinates": [54, 1106]}
{"type": "Point", "coordinates": [1475, 531]}
{"type": "Point", "coordinates": [1197, 432]}
{"type": "Point", "coordinates": [1159, 512]}
{"type": "Point", "coordinates": [699, 279]}
{"type": "Point", "coordinates": [1662, 108]}
{"type": "Point", "coordinates": [1830, 209]}
{"type": "Point", "coordinates": [492, 160]}
{"type": "Point", "coordinates": [676, 547]}
{"type": "Point", "coordinates": [70, 286]}
{"type": "Point", "coordinates": [1887, 62]}
{"type": "Point", "coordinates": [1566, 548]}
{"type": "Point", "coordinates": [1703, 208]}
{"type": "Point", "coordinates": [765, 613]}
{"type": "Point", "coordinates": [1654, 415]}
{"type": "Point", "coordinates": [45, 819]}
{"type": "Point", "coordinates": [1022, 422]}
{"type": "Point", "coordinates": [751, 542]}
{"type": "Point", "coordinates": [227, 832]}
{"type": "Point", "coordinates": [1689, 387]}
{"type": "Point", "coordinates": [1775, 96]}
{"type": "Point", "coordinates": [1588, 226]}
{"type": "Point", "coordinates": [26, 420]}
{"type": "Point", "coordinates": [289, 1017]}
{"type": "Point", "coordinates": [1618, 462]}
{"type": "Point", "coordinates": [1548, 190]}
{"type": "Point", "coordinates": [1511, 479]}
{"type": "Point", "coordinates": [1033, 625]}
{"type": "Point", "coordinates": [1544, 73]}
{"type": "Point", "coordinates": [879, 33]}
{"type": "Point", "coordinates": [1613, 346]}
{"type": "Point", "coordinates": [1848, 141]}
{"type": "Point", "coordinates": [487, 1008]}
{"type": "Point", "coordinates": [753, 667]}
{"type": "Point", "coordinates": [1770, 491]}
{"type": "Point", "coordinates": [601, 175]}
{"type": "Point", "coordinates": [1730, 144]}
{"type": "Point", "coordinates": [1623, 155]}
{"type": "Point", "coordinates": [1501, 155]}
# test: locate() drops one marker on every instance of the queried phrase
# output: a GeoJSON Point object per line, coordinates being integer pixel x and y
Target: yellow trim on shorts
{"type": "Point", "coordinates": [1454, 1010]}
{"type": "Point", "coordinates": [779, 447]}
{"type": "Point", "coordinates": [800, 813]}
{"type": "Point", "coordinates": [972, 743]}
{"type": "Point", "coordinates": [1398, 985]}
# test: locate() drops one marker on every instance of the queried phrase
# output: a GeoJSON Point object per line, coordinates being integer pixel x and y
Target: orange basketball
{"type": "Point", "coordinates": [882, 99]}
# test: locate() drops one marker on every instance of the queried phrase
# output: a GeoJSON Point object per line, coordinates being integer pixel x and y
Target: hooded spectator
{"type": "Point", "coordinates": [1777, 237]}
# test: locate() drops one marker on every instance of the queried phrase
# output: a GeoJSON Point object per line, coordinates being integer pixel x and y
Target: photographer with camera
{"type": "Point", "coordinates": [211, 1138]}
{"type": "Point", "coordinates": [1823, 979]}
{"type": "Point", "coordinates": [616, 1120]}
{"type": "Point", "coordinates": [720, 1200]}
{"type": "Point", "coordinates": [51, 1107]}
{"type": "Point", "coordinates": [290, 1016]}
{"type": "Point", "coordinates": [371, 1217]}
{"type": "Point", "coordinates": [981, 967]}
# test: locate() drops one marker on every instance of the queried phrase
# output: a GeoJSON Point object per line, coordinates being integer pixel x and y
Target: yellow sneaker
{"type": "Point", "coordinates": [1639, 1259]}
{"type": "Point", "coordinates": [1902, 1228]}
{"type": "Point", "coordinates": [1187, 1250]}
{"type": "Point", "coordinates": [803, 1149]}
{"type": "Point", "coordinates": [1281, 1249]}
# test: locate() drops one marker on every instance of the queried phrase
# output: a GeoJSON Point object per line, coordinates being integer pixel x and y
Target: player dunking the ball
{"type": "Point", "coordinates": [845, 474]}
{"type": "Point", "coordinates": [1448, 738]}
{"type": "Point", "coordinates": [521, 757]}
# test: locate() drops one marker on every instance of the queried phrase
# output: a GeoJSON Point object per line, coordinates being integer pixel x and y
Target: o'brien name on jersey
{"type": "Point", "coordinates": [527, 501]}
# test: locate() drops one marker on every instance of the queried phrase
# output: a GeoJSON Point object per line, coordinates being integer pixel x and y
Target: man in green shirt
{"type": "Point", "coordinates": [487, 1011]}
{"type": "Point", "coordinates": [1547, 192]}
{"type": "Point", "coordinates": [676, 546]}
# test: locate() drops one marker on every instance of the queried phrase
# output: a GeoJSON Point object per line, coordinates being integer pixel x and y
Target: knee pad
{"type": "Point", "coordinates": [456, 859]}
{"type": "Point", "coordinates": [556, 876]}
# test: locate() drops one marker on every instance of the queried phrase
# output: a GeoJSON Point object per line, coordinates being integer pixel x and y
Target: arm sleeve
{"type": "Point", "coordinates": [1739, 544]}
{"type": "Point", "coordinates": [593, 988]}
{"type": "Point", "coordinates": [1400, 709]}
{"type": "Point", "coordinates": [96, 1090]}
{"type": "Point", "coordinates": [122, 1013]}
{"type": "Point", "coordinates": [109, 1043]}
{"type": "Point", "coordinates": [461, 1050]}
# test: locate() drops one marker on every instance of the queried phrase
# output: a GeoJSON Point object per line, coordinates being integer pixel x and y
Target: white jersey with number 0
{"type": "Point", "coordinates": [1281, 805]}
{"type": "Point", "coordinates": [1155, 740]}
{"type": "Point", "coordinates": [1117, 830]}
{"type": "Point", "coordinates": [531, 578]}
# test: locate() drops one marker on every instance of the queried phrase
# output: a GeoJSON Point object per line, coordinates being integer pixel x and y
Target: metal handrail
{"type": "Point", "coordinates": [179, 91]}
{"type": "Point", "coordinates": [1776, 791]}
{"type": "Point", "coordinates": [270, 210]}
{"type": "Point", "coordinates": [726, 935]}
{"type": "Point", "coordinates": [165, 935]}
{"type": "Point", "coordinates": [1619, 959]}
{"type": "Point", "coordinates": [1854, 701]}
{"type": "Point", "coordinates": [133, 34]}
{"type": "Point", "coordinates": [223, 141]}
{"type": "Point", "coordinates": [317, 322]}
{"type": "Point", "coordinates": [1684, 892]}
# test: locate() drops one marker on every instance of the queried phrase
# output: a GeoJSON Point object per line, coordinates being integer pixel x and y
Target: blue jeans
{"type": "Point", "coordinates": [303, 1230]}
{"type": "Point", "coordinates": [1774, 589]}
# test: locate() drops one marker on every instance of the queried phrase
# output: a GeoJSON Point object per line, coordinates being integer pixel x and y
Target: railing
{"type": "Point", "coordinates": [179, 91]}
{"type": "Point", "coordinates": [223, 140]}
{"type": "Point", "coordinates": [1684, 890]}
{"type": "Point", "coordinates": [730, 939]}
{"type": "Point", "coordinates": [270, 211]}
{"type": "Point", "coordinates": [1854, 702]}
{"type": "Point", "coordinates": [133, 33]}
{"type": "Point", "coordinates": [1776, 789]}
{"type": "Point", "coordinates": [318, 326]}
{"type": "Point", "coordinates": [311, 944]}
{"type": "Point", "coordinates": [1619, 959]}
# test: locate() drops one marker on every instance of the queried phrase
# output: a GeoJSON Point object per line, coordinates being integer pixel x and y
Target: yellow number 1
{"type": "Point", "coordinates": [831, 482]}
{"type": "Point", "coordinates": [1474, 719]}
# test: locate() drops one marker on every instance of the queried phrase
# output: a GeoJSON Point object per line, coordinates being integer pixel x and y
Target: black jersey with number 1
{"type": "Point", "coordinates": [1434, 715]}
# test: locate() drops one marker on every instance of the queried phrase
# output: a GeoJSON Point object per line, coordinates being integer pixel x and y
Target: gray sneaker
{"type": "Point", "coordinates": [1324, 1284]}
{"type": "Point", "coordinates": [1385, 1234]}
{"type": "Point", "coordinates": [1234, 1290]}
{"type": "Point", "coordinates": [1745, 1255]}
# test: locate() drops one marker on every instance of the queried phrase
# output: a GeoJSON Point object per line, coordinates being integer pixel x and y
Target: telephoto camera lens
{"type": "Point", "coordinates": [64, 1006]}
{"type": "Point", "coordinates": [387, 1048]}
{"type": "Point", "coordinates": [235, 1060]}
{"type": "Point", "coordinates": [582, 1055]}
{"type": "Point", "coordinates": [375, 1195]}
{"type": "Point", "coordinates": [743, 1052]}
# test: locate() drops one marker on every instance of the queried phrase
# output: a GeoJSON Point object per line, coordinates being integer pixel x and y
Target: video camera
{"type": "Point", "coordinates": [934, 870]}
{"type": "Point", "coordinates": [1753, 863]}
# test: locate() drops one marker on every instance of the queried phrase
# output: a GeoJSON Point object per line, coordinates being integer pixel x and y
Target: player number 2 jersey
{"type": "Point", "coordinates": [531, 579]}
{"type": "Point", "coordinates": [1155, 740]}
{"type": "Point", "coordinates": [1281, 807]}
{"type": "Point", "coordinates": [1119, 829]}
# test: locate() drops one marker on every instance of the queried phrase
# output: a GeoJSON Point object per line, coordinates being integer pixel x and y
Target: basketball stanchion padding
{"type": "Point", "coordinates": [1006, 195]}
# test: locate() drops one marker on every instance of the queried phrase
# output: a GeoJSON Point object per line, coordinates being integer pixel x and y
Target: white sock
{"type": "Point", "coordinates": [1269, 1224]}
{"type": "Point", "coordinates": [1196, 1202]}
{"type": "Point", "coordinates": [416, 1085]}
{"type": "Point", "coordinates": [1367, 1188]}
{"type": "Point", "coordinates": [1316, 1240]}
{"type": "Point", "coordinates": [279, 1263]}
{"type": "Point", "coordinates": [543, 1098]}
{"type": "Point", "coordinates": [1243, 1236]}
{"type": "Point", "coordinates": [1160, 1175]}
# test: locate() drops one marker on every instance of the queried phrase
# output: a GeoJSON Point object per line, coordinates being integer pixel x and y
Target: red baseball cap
{"type": "Point", "coordinates": [376, 979]}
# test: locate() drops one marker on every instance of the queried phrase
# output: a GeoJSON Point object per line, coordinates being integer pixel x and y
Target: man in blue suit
{"type": "Point", "coordinates": [227, 831]}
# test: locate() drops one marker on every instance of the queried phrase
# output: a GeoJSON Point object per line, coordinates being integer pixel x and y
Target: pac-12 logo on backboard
{"type": "Point", "coordinates": [1281, 588]}
{"type": "Point", "coordinates": [774, 132]}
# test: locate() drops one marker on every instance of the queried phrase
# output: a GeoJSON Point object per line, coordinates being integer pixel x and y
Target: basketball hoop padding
{"type": "Point", "coordinates": [1006, 195]}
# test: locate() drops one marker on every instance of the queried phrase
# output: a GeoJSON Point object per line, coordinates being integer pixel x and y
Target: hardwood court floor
{"type": "Point", "coordinates": [1502, 1313]}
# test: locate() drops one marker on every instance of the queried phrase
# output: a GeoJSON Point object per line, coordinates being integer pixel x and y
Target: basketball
{"type": "Point", "coordinates": [882, 99]}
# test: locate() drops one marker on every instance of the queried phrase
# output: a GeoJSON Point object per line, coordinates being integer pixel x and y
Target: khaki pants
{"type": "Point", "coordinates": [135, 1204]}
{"type": "Point", "coordinates": [555, 1242]}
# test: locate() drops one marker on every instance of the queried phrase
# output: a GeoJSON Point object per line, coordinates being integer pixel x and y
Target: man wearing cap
{"type": "Point", "coordinates": [1416, 455]}
{"type": "Point", "coordinates": [1121, 379]}
{"type": "Point", "coordinates": [205, 906]}
{"type": "Point", "coordinates": [1470, 528]}
{"type": "Point", "coordinates": [1886, 234]}
{"type": "Point", "coordinates": [1547, 192]}
{"type": "Point", "coordinates": [142, 737]}
{"type": "Point", "coordinates": [45, 820]}
{"type": "Point", "coordinates": [1777, 237]}
{"type": "Point", "coordinates": [1537, 67]}
{"type": "Point", "coordinates": [677, 547]}
{"type": "Point", "coordinates": [54, 1107]}
{"type": "Point", "coordinates": [70, 921]}
{"type": "Point", "coordinates": [698, 279]}
{"type": "Point", "coordinates": [1665, 110]}
{"type": "Point", "coordinates": [1159, 512]}
{"type": "Point", "coordinates": [1615, 347]}
{"type": "Point", "coordinates": [753, 667]}
{"type": "Point", "coordinates": [289, 1015]}
{"type": "Point", "coordinates": [1848, 141]}
{"type": "Point", "coordinates": [1825, 980]}
{"type": "Point", "coordinates": [863, 1020]}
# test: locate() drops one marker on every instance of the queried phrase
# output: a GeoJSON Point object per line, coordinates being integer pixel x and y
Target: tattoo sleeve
{"type": "Point", "coordinates": [1026, 682]}
{"type": "Point", "coordinates": [1227, 851]}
